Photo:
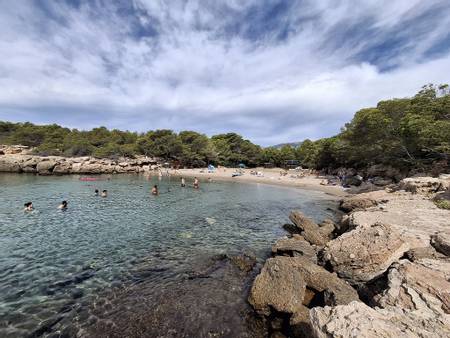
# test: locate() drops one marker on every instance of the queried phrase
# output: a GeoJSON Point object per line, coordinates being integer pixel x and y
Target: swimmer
{"type": "Point", "coordinates": [96, 192]}
{"type": "Point", "coordinates": [63, 205]}
{"type": "Point", "coordinates": [209, 179]}
{"type": "Point", "coordinates": [28, 206]}
{"type": "Point", "coordinates": [183, 182]}
{"type": "Point", "coordinates": [105, 193]}
{"type": "Point", "coordinates": [196, 183]}
{"type": "Point", "coordinates": [155, 190]}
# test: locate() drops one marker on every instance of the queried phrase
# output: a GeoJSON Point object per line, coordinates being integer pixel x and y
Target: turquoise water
{"type": "Point", "coordinates": [51, 257]}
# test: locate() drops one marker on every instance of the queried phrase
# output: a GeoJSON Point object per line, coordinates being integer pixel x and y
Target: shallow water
{"type": "Point", "coordinates": [51, 258]}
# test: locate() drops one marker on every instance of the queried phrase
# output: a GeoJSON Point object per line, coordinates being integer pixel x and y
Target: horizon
{"type": "Point", "coordinates": [272, 71]}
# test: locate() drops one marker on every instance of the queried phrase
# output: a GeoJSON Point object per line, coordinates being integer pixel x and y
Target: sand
{"type": "Point", "coordinates": [269, 176]}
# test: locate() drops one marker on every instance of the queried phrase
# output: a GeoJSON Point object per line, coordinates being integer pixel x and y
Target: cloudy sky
{"type": "Point", "coordinates": [271, 70]}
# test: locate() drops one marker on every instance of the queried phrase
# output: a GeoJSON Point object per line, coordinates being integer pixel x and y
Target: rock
{"type": "Point", "coordinates": [10, 164]}
{"type": "Point", "coordinates": [326, 228]}
{"type": "Point", "coordinates": [245, 262]}
{"type": "Point", "coordinates": [356, 203]}
{"type": "Point", "coordinates": [292, 284]}
{"type": "Point", "coordinates": [45, 166]}
{"type": "Point", "coordinates": [308, 229]}
{"type": "Point", "coordinates": [415, 254]}
{"type": "Point", "coordinates": [352, 180]}
{"type": "Point", "coordinates": [295, 246]}
{"type": "Point", "coordinates": [63, 167]}
{"type": "Point", "coordinates": [424, 185]}
{"type": "Point", "coordinates": [381, 181]}
{"type": "Point", "coordinates": [422, 286]}
{"type": "Point", "coordinates": [374, 249]}
{"type": "Point", "coordinates": [279, 286]}
{"type": "Point", "coordinates": [358, 320]}
{"type": "Point", "coordinates": [441, 242]}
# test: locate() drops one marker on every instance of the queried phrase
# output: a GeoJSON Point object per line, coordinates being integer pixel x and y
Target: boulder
{"type": "Point", "coordinates": [308, 229]}
{"type": "Point", "coordinates": [422, 286]}
{"type": "Point", "coordinates": [10, 164]}
{"type": "Point", "coordinates": [63, 167]}
{"type": "Point", "coordinates": [45, 166]}
{"type": "Point", "coordinates": [424, 185]}
{"type": "Point", "coordinates": [441, 242]}
{"type": "Point", "coordinates": [29, 165]}
{"type": "Point", "coordinates": [415, 254]}
{"type": "Point", "coordinates": [359, 320]}
{"type": "Point", "coordinates": [326, 228]}
{"type": "Point", "coordinates": [381, 181]}
{"type": "Point", "coordinates": [294, 246]}
{"type": "Point", "coordinates": [365, 253]}
{"type": "Point", "coordinates": [352, 180]}
{"type": "Point", "coordinates": [356, 203]}
{"type": "Point", "coordinates": [291, 285]}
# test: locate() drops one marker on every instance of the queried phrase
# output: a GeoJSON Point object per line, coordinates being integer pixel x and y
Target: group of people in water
{"type": "Point", "coordinates": [196, 185]}
{"type": "Point", "coordinates": [63, 206]}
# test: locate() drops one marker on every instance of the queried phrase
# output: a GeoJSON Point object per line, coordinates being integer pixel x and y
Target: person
{"type": "Point", "coordinates": [209, 179]}
{"type": "Point", "coordinates": [96, 192]}
{"type": "Point", "coordinates": [183, 182]}
{"type": "Point", "coordinates": [155, 190]}
{"type": "Point", "coordinates": [196, 183]}
{"type": "Point", "coordinates": [28, 206]}
{"type": "Point", "coordinates": [63, 205]}
{"type": "Point", "coordinates": [105, 193]}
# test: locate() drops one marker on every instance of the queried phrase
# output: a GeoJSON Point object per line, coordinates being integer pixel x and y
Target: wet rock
{"type": "Point", "coordinates": [291, 228]}
{"type": "Point", "coordinates": [294, 246]}
{"type": "Point", "coordinates": [77, 293]}
{"type": "Point", "coordinates": [441, 242]}
{"type": "Point", "coordinates": [365, 253]}
{"type": "Point", "coordinates": [245, 262]}
{"type": "Point", "coordinates": [308, 229]}
{"type": "Point", "coordinates": [424, 185]}
{"type": "Point", "coordinates": [359, 320]}
{"type": "Point", "coordinates": [356, 203]}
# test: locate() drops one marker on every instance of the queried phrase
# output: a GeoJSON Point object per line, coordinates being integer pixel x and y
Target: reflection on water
{"type": "Point", "coordinates": [61, 267]}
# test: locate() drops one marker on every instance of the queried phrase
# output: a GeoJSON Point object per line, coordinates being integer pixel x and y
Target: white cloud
{"type": "Point", "coordinates": [198, 68]}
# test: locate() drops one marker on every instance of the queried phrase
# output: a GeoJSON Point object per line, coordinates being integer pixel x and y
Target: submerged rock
{"type": "Point", "coordinates": [365, 253]}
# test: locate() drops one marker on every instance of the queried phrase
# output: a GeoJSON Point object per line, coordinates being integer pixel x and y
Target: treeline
{"type": "Point", "coordinates": [403, 133]}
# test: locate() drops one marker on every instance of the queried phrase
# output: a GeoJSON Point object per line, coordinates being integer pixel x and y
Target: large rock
{"type": "Point", "coordinates": [356, 203]}
{"type": "Point", "coordinates": [358, 320]}
{"type": "Point", "coordinates": [422, 287]}
{"type": "Point", "coordinates": [294, 246]}
{"type": "Point", "coordinates": [10, 164]}
{"type": "Point", "coordinates": [441, 242]}
{"type": "Point", "coordinates": [45, 166]}
{"type": "Point", "coordinates": [308, 229]}
{"type": "Point", "coordinates": [365, 253]}
{"type": "Point", "coordinates": [29, 164]}
{"type": "Point", "coordinates": [424, 185]}
{"type": "Point", "coordinates": [292, 284]}
{"type": "Point", "coordinates": [63, 167]}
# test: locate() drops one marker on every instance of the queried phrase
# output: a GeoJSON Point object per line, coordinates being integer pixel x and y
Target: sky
{"type": "Point", "coordinates": [273, 71]}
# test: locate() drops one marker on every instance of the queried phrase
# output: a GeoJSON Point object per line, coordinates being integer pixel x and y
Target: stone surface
{"type": "Point", "coordinates": [425, 252]}
{"type": "Point", "coordinates": [358, 320]}
{"type": "Point", "coordinates": [356, 203]}
{"type": "Point", "coordinates": [441, 242]}
{"type": "Point", "coordinates": [424, 185]}
{"type": "Point", "coordinates": [365, 253]}
{"type": "Point", "coordinates": [294, 246]}
{"type": "Point", "coordinates": [308, 229]}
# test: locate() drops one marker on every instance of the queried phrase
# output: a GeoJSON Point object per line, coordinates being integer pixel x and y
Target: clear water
{"type": "Point", "coordinates": [51, 257]}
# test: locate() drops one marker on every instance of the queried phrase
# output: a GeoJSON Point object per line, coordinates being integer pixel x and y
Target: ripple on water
{"type": "Point", "coordinates": [54, 263]}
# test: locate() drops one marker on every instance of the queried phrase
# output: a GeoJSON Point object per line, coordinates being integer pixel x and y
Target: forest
{"type": "Point", "coordinates": [404, 133]}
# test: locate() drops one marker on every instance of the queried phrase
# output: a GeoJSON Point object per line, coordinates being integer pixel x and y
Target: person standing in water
{"type": "Point", "coordinates": [28, 206]}
{"type": "Point", "coordinates": [196, 183]}
{"type": "Point", "coordinates": [105, 193]}
{"type": "Point", "coordinates": [63, 205]}
{"type": "Point", "coordinates": [183, 182]}
{"type": "Point", "coordinates": [155, 190]}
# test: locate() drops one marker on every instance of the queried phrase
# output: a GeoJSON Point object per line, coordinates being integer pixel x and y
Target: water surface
{"type": "Point", "coordinates": [54, 261]}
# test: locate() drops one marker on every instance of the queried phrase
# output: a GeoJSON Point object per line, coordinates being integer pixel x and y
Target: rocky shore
{"type": "Point", "coordinates": [382, 271]}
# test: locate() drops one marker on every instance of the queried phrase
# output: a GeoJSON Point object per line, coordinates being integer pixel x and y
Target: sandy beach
{"type": "Point", "coordinates": [269, 176]}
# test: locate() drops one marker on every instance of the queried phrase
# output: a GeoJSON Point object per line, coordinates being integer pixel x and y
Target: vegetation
{"type": "Point", "coordinates": [443, 204]}
{"type": "Point", "coordinates": [404, 133]}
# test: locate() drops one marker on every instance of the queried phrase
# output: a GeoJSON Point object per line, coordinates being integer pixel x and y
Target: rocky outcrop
{"type": "Point", "coordinates": [365, 253]}
{"type": "Point", "coordinates": [291, 285]}
{"type": "Point", "coordinates": [310, 230]}
{"type": "Point", "coordinates": [72, 165]}
{"type": "Point", "coordinates": [424, 185]}
{"type": "Point", "coordinates": [294, 246]}
{"type": "Point", "coordinates": [356, 203]}
{"type": "Point", "coordinates": [359, 320]}
{"type": "Point", "coordinates": [441, 242]}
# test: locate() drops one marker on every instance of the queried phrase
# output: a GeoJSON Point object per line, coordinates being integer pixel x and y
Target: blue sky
{"type": "Point", "coordinates": [271, 70]}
